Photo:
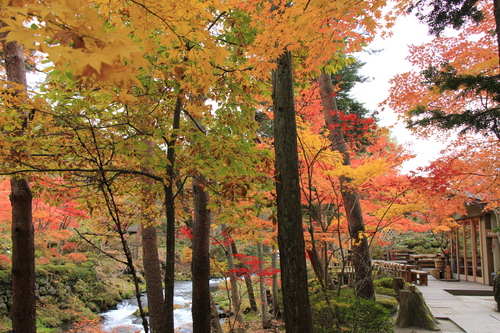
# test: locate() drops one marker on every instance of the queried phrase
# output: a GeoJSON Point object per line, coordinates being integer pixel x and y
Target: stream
{"type": "Point", "coordinates": [123, 320]}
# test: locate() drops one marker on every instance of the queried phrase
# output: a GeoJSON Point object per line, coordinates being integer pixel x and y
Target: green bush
{"type": "Point", "coordinates": [384, 287]}
{"type": "Point", "coordinates": [354, 314]}
{"type": "Point", "coordinates": [385, 291]}
{"type": "Point", "coordinates": [384, 282]}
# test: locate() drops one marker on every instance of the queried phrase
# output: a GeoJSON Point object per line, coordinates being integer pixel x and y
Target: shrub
{"type": "Point", "coordinates": [353, 313]}
{"type": "Point", "coordinates": [54, 252]}
{"type": "Point", "coordinates": [384, 282]}
{"type": "Point", "coordinates": [69, 247]}
{"type": "Point", "coordinates": [384, 287]}
{"type": "Point", "coordinates": [42, 261]}
{"type": "Point", "coordinates": [385, 291]}
{"type": "Point", "coordinates": [77, 258]}
{"type": "Point", "coordinates": [5, 262]}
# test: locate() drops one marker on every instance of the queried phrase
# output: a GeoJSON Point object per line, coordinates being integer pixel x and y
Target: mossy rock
{"type": "Point", "coordinates": [383, 282]}
{"type": "Point", "coordinates": [385, 291]}
{"type": "Point", "coordinates": [388, 302]}
{"type": "Point", "coordinates": [137, 313]}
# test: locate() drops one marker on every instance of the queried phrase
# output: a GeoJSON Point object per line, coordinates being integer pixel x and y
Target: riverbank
{"type": "Point", "coordinates": [67, 293]}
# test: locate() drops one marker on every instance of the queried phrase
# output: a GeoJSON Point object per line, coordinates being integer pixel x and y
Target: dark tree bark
{"type": "Point", "coordinates": [360, 248]}
{"type": "Point", "coordinates": [496, 13]}
{"type": "Point", "coordinates": [170, 215]}
{"type": "Point", "coordinates": [297, 311]}
{"type": "Point", "coordinates": [320, 268]}
{"type": "Point", "coordinates": [156, 304]}
{"type": "Point", "coordinates": [23, 311]}
{"type": "Point", "coordinates": [200, 265]}
{"type": "Point", "coordinates": [154, 287]}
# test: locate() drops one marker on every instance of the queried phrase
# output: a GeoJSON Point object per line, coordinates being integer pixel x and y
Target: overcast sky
{"type": "Point", "coordinates": [380, 68]}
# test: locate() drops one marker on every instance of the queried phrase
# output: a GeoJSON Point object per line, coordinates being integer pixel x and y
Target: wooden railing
{"type": "Point", "coordinates": [408, 272]}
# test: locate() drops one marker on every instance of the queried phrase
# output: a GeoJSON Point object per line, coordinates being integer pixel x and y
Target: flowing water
{"type": "Point", "coordinates": [122, 319]}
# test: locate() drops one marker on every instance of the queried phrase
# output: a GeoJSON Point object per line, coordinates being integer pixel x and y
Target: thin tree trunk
{"type": "Point", "coordinates": [266, 321]}
{"type": "Point", "coordinates": [360, 248]}
{"type": "Point", "coordinates": [239, 325]}
{"type": "Point", "coordinates": [170, 216]}
{"type": "Point", "coordinates": [276, 304]}
{"type": "Point", "coordinates": [152, 270]}
{"type": "Point", "coordinates": [248, 282]}
{"type": "Point", "coordinates": [290, 229]}
{"type": "Point", "coordinates": [23, 311]}
{"type": "Point", "coordinates": [107, 191]}
{"type": "Point", "coordinates": [214, 314]}
{"type": "Point", "coordinates": [200, 265]}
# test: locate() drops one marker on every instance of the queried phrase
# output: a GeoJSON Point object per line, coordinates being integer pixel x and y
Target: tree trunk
{"type": "Point", "coordinates": [360, 248]}
{"type": "Point", "coordinates": [496, 13]}
{"type": "Point", "coordinates": [170, 216]}
{"type": "Point", "coordinates": [154, 287]}
{"type": "Point", "coordinates": [248, 282]}
{"type": "Point", "coordinates": [200, 265]}
{"type": "Point", "coordinates": [319, 266]}
{"type": "Point", "coordinates": [214, 314]}
{"type": "Point", "coordinates": [23, 311]}
{"type": "Point", "coordinates": [266, 321]}
{"type": "Point", "coordinates": [276, 303]}
{"type": "Point", "coordinates": [297, 311]}
{"type": "Point", "coordinates": [414, 312]}
{"type": "Point", "coordinates": [239, 325]}
{"type": "Point", "coordinates": [150, 258]}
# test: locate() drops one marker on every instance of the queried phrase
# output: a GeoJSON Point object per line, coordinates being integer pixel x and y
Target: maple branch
{"type": "Point", "coordinates": [98, 248]}
{"type": "Point", "coordinates": [216, 19]}
{"type": "Point", "coordinates": [307, 5]}
{"type": "Point", "coordinates": [194, 121]}
{"type": "Point", "coordinates": [225, 70]}
{"type": "Point", "coordinates": [119, 171]}
{"type": "Point", "coordinates": [158, 17]}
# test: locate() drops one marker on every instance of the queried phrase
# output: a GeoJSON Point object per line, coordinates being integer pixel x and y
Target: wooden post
{"type": "Point", "coordinates": [398, 284]}
{"type": "Point", "coordinates": [414, 312]}
{"type": "Point", "coordinates": [447, 273]}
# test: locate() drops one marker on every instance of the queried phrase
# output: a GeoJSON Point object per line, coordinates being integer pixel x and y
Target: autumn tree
{"type": "Point", "coordinates": [361, 251]}
{"type": "Point", "coordinates": [446, 13]}
{"type": "Point", "coordinates": [446, 78]}
{"type": "Point", "coordinates": [290, 235]}
{"type": "Point", "coordinates": [23, 310]}
{"type": "Point", "coordinates": [124, 55]}
{"type": "Point", "coordinates": [457, 91]}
